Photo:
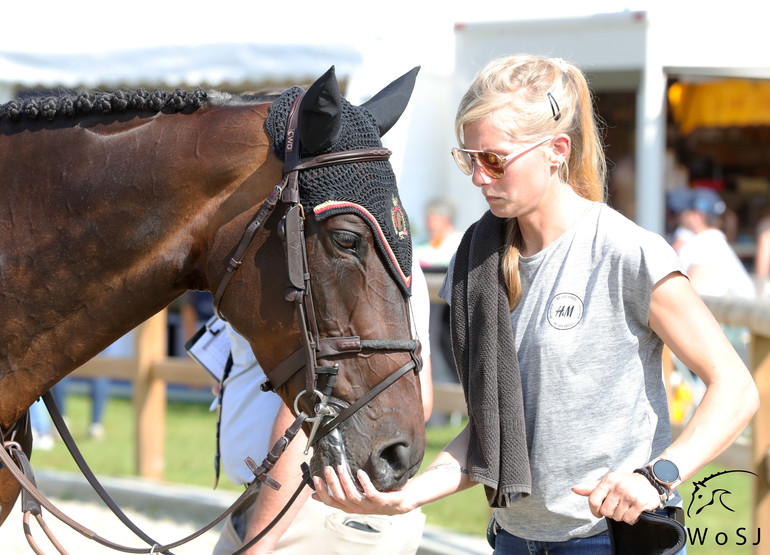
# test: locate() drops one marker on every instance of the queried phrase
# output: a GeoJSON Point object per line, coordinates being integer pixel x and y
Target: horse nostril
{"type": "Point", "coordinates": [390, 467]}
{"type": "Point", "coordinates": [396, 456]}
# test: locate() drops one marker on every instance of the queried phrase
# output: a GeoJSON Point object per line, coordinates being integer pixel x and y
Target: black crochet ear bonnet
{"type": "Point", "coordinates": [367, 189]}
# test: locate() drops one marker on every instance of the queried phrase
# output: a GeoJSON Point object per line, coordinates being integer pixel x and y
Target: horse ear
{"type": "Point", "coordinates": [388, 104]}
{"type": "Point", "coordinates": [319, 114]}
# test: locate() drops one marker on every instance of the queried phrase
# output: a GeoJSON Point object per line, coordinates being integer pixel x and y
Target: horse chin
{"type": "Point", "coordinates": [389, 464]}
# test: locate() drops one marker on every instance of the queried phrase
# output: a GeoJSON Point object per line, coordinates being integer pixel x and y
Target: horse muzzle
{"type": "Point", "coordinates": [389, 460]}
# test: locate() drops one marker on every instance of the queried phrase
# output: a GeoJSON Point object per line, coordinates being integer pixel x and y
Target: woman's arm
{"type": "Point", "coordinates": [447, 474]}
{"type": "Point", "coordinates": [685, 324]}
{"type": "Point", "coordinates": [270, 502]}
{"type": "Point", "coordinates": [682, 320]}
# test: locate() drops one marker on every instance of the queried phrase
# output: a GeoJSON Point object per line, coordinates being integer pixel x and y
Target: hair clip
{"type": "Point", "coordinates": [554, 107]}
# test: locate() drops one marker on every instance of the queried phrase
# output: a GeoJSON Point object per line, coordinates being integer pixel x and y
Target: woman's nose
{"type": "Point", "coordinates": [479, 177]}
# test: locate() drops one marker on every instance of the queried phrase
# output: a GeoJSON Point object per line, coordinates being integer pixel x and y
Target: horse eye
{"type": "Point", "coordinates": [346, 240]}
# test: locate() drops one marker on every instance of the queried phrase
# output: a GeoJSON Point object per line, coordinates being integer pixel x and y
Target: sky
{"type": "Point", "coordinates": [404, 29]}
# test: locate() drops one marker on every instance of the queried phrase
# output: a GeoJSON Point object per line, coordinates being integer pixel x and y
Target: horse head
{"type": "Point", "coordinates": [347, 294]}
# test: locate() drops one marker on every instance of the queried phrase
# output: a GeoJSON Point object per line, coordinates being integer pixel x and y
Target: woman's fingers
{"type": "Point", "coordinates": [348, 485]}
{"type": "Point", "coordinates": [338, 489]}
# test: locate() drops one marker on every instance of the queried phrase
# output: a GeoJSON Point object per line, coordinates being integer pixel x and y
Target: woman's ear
{"type": "Point", "coordinates": [561, 149]}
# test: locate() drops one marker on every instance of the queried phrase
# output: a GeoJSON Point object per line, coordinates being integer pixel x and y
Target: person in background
{"type": "Point", "coordinates": [443, 237]}
{"type": "Point", "coordinates": [560, 310]}
{"type": "Point", "coordinates": [434, 255]}
{"type": "Point", "coordinates": [309, 526]}
{"type": "Point", "coordinates": [710, 262]}
{"type": "Point", "coordinates": [712, 266]}
{"type": "Point", "coordinates": [41, 426]}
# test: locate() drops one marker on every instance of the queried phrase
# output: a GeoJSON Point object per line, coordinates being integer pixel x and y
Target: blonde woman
{"type": "Point", "coordinates": [560, 310]}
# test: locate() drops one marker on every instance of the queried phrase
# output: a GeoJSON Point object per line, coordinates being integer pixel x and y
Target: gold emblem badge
{"type": "Point", "coordinates": [399, 219]}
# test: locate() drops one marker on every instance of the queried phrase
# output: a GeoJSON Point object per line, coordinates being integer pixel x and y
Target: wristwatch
{"type": "Point", "coordinates": [665, 472]}
{"type": "Point", "coordinates": [662, 474]}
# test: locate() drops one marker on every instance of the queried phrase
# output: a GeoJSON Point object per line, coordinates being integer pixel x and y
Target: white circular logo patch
{"type": "Point", "coordinates": [565, 311]}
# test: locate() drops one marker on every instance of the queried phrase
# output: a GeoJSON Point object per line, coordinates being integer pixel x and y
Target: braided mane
{"type": "Point", "coordinates": [49, 106]}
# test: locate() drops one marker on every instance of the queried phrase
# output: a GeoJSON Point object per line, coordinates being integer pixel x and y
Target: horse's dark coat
{"type": "Point", "coordinates": [106, 216]}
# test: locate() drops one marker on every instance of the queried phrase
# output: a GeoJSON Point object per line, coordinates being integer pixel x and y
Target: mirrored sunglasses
{"type": "Point", "coordinates": [490, 163]}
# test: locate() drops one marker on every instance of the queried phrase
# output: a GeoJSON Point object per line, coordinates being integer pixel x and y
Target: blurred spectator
{"type": "Point", "coordinates": [41, 426]}
{"type": "Point", "coordinates": [434, 256]}
{"type": "Point", "coordinates": [443, 237]}
{"type": "Point", "coordinates": [711, 264]}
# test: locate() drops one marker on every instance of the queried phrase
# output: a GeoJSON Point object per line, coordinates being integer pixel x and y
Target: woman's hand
{"type": "Point", "coordinates": [442, 477]}
{"type": "Point", "coordinates": [621, 496]}
{"type": "Point", "coordinates": [340, 491]}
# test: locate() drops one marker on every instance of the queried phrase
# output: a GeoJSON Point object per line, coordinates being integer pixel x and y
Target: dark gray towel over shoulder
{"type": "Point", "coordinates": [485, 354]}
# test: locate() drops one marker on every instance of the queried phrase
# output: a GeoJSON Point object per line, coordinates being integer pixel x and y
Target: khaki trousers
{"type": "Point", "coordinates": [323, 530]}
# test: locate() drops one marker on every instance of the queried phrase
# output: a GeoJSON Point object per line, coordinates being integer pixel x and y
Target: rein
{"type": "Point", "coordinates": [32, 501]}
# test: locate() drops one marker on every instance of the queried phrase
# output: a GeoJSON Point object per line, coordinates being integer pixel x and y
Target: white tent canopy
{"type": "Point", "coordinates": [236, 67]}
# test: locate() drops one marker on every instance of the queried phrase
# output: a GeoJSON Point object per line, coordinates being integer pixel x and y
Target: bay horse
{"type": "Point", "coordinates": [114, 204]}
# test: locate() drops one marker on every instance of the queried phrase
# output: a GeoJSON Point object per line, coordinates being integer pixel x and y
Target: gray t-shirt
{"type": "Point", "coordinates": [594, 396]}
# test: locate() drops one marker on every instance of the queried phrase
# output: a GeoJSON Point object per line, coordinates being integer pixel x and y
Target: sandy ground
{"type": "Point", "coordinates": [165, 512]}
{"type": "Point", "coordinates": [99, 519]}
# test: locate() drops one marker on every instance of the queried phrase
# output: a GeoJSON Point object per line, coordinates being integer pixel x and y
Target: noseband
{"type": "Point", "coordinates": [314, 347]}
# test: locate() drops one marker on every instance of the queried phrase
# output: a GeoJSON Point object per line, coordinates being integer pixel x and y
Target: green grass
{"type": "Point", "coordinates": [467, 511]}
{"type": "Point", "coordinates": [190, 442]}
{"type": "Point", "coordinates": [190, 431]}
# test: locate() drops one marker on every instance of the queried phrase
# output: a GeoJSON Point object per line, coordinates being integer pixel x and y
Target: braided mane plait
{"type": "Point", "coordinates": [48, 107]}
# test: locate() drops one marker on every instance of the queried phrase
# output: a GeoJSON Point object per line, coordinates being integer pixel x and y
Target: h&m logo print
{"type": "Point", "coordinates": [565, 311]}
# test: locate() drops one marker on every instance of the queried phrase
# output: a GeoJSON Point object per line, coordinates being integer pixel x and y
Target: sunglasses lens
{"type": "Point", "coordinates": [492, 163]}
{"type": "Point", "coordinates": [464, 161]}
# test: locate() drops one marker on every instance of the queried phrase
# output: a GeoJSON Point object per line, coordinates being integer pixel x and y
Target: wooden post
{"type": "Point", "coordinates": [760, 431]}
{"type": "Point", "coordinates": [149, 397]}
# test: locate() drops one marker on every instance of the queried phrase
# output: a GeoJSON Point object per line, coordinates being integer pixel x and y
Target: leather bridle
{"type": "Point", "coordinates": [299, 292]}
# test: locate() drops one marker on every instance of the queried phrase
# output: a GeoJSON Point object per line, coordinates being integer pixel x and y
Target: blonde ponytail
{"type": "Point", "coordinates": [528, 98]}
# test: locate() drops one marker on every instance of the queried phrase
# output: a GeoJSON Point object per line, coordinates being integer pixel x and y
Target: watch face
{"type": "Point", "coordinates": [665, 471]}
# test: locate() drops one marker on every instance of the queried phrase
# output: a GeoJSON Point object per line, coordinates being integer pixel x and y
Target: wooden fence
{"type": "Point", "coordinates": [151, 370]}
{"type": "Point", "coordinates": [754, 315]}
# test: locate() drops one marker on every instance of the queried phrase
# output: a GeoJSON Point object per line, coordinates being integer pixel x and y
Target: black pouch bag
{"type": "Point", "coordinates": [492, 529]}
{"type": "Point", "coordinates": [652, 534]}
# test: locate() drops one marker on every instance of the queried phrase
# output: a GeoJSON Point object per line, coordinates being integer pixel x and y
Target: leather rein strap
{"type": "Point", "coordinates": [14, 459]}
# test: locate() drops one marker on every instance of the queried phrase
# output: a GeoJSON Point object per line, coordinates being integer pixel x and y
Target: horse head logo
{"type": "Point", "coordinates": [707, 492]}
